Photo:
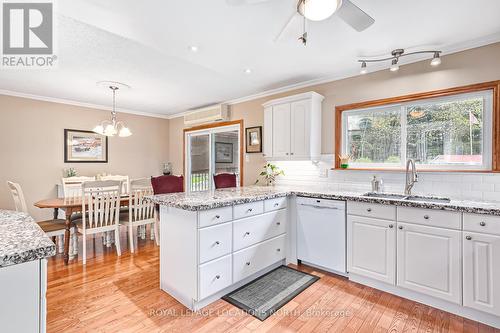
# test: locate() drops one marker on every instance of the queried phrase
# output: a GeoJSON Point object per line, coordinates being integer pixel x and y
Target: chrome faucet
{"type": "Point", "coordinates": [411, 177]}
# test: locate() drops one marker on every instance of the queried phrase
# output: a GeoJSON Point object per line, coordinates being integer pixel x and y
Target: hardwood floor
{"type": "Point", "coordinates": [121, 294]}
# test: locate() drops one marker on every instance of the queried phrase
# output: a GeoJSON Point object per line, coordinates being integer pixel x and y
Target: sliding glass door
{"type": "Point", "coordinates": [209, 152]}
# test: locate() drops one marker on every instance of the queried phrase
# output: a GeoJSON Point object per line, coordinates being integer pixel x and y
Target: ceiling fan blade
{"type": "Point", "coordinates": [287, 25]}
{"type": "Point", "coordinates": [354, 16]}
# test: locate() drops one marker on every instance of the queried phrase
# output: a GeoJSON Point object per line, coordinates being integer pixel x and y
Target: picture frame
{"type": "Point", "coordinates": [253, 139]}
{"type": "Point", "coordinates": [223, 152]}
{"type": "Point", "coordinates": [85, 147]}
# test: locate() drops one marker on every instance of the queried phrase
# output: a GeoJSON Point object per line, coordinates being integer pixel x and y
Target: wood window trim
{"type": "Point", "coordinates": [492, 85]}
{"type": "Point", "coordinates": [209, 126]}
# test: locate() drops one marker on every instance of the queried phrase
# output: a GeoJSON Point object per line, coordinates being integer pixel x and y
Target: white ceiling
{"type": "Point", "coordinates": [145, 44]}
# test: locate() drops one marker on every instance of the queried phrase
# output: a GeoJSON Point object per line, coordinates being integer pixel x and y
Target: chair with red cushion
{"type": "Point", "coordinates": [167, 184]}
{"type": "Point", "coordinates": [225, 180]}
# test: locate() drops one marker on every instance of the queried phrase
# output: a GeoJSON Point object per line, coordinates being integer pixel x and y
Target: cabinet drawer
{"type": "Point", "coordinates": [257, 257]}
{"type": "Point", "coordinates": [482, 223]}
{"type": "Point", "coordinates": [256, 229]}
{"type": "Point", "coordinates": [248, 209]}
{"type": "Point", "coordinates": [385, 212]}
{"type": "Point", "coordinates": [215, 241]}
{"type": "Point", "coordinates": [430, 217]}
{"type": "Point", "coordinates": [214, 276]}
{"type": "Point", "coordinates": [274, 204]}
{"type": "Point", "coordinates": [215, 216]}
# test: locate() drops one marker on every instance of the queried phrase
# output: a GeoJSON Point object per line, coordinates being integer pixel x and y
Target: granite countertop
{"type": "Point", "coordinates": [21, 239]}
{"type": "Point", "coordinates": [204, 200]}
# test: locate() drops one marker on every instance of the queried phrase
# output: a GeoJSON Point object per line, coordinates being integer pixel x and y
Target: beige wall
{"type": "Point", "coordinates": [31, 147]}
{"type": "Point", "coordinates": [471, 66]}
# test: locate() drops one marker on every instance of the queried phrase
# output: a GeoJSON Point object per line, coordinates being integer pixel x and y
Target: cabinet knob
{"type": "Point", "coordinates": [217, 243]}
{"type": "Point", "coordinates": [248, 263]}
{"type": "Point", "coordinates": [426, 217]}
{"type": "Point", "coordinates": [291, 153]}
{"type": "Point", "coordinates": [249, 209]}
{"type": "Point", "coordinates": [468, 237]}
{"type": "Point", "coordinates": [276, 204]}
{"type": "Point", "coordinates": [482, 223]}
{"type": "Point", "coordinates": [278, 250]}
{"type": "Point", "coordinates": [400, 227]}
{"type": "Point", "coordinates": [217, 216]}
{"type": "Point", "coordinates": [391, 226]}
{"type": "Point", "coordinates": [217, 277]}
{"type": "Point", "coordinates": [247, 233]}
{"type": "Point", "coordinates": [368, 209]}
{"type": "Point", "coordinates": [278, 223]}
{"type": "Point", "coordinates": [286, 153]}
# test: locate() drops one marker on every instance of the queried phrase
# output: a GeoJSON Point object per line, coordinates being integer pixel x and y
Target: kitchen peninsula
{"type": "Point", "coordinates": [213, 242]}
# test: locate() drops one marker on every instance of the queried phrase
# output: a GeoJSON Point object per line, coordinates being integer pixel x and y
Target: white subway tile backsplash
{"type": "Point", "coordinates": [461, 186]}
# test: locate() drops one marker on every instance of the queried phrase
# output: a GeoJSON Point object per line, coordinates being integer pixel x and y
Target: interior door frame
{"type": "Point", "coordinates": [209, 127]}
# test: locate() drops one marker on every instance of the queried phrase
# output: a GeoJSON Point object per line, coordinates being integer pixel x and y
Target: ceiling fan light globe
{"type": "Point", "coordinates": [318, 10]}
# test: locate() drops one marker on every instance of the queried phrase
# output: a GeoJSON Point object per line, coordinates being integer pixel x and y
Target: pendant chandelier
{"type": "Point", "coordinates": [113, 127]}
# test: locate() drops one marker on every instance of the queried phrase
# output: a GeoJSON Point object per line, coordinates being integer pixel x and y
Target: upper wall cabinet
{"type": "Point", "coordinates": [292, 127]}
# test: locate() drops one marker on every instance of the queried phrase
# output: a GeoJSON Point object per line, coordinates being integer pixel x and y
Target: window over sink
{"type": "Point", "coordinates": [453, 131]}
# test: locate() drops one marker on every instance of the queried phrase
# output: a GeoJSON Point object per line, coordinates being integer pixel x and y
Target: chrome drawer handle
{"type": "Point", "coordinates": [217, 216]}
{"type": "Point", "coordinates": [482, 223]}
{"type": "Point", "coordinates": [426, 217]}
{"type": "Point", "coordinates": [391, 226]}
{"type": "Point", "coordinates": [217, 277]}
{"type": "Point", "coordinates": [400, 227]}
{"type": "Point", "coordinates": [368, 209]}
{"type": "Point", "coordinates": [249, 209]}
{"type": "Point", "coordinates": [318, 201]}
{"type": "Point", "coordinates": [248, 263]}
{"type": "Point", "coordinates": [468, 237]}
{"type": "Point", "coordinates": [247, 233]}
{"type": "Point", "coordinates": [276, 204]}
{"type": "Point", "coordinates": [278, 223]}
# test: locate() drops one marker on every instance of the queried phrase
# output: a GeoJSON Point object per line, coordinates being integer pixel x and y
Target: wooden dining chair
{"type": "Point", "coordinates": [225, 180]}
{"type": "Point", "coordinates": [54, 228]}
{"type": "Point", "coordinates": [72, 186]}
{"type": "Point", "coordinates": [140, 212]}
{"type": "Point", "coordinates": [100, 211]}
{"type": "Point", "coordinates": [124, 179]}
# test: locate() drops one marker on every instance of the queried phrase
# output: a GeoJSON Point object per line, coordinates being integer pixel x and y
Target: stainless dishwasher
{"type": "Point", "coordinates": [321, 233]}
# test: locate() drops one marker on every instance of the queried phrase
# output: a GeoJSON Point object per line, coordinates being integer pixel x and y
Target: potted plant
{"type": "Point", "coordinates": [269, 173]}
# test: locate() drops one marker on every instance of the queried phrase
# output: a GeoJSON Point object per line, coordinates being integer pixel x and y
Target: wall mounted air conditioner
{"type": "Point", "coordinates": [219, 112]}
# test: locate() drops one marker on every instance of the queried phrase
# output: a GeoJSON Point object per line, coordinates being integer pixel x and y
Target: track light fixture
{"type": "Point", "coordinates": [395, 55]}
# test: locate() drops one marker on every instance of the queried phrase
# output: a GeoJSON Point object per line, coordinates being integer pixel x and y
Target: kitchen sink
{"type": "Point", "coordinates": [385, 195]}
{"type": "Point", "coordinates": [427, 199]}
{"type": "Point", "coordinates": [406, 197]}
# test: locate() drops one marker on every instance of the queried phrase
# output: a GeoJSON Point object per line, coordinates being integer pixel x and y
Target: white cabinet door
{"type": "Point", "coordinates": [281, 130]}
{"type": "Point", "coordinates": [300, 129]}
{"type": "Point", "coordinates": [20, 298]}
{"type": "Point", "coordinates": [428, 261]}
{"type": "Point", "coordinates": [481, 255]}
{"type": "Point", "coordinates": [268, 132]}
{"type": "Point", "coordinates": [371, 248]}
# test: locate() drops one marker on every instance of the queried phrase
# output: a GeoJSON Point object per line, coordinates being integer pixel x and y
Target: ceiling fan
{"type": "Point", "coordinates": [319, 10]}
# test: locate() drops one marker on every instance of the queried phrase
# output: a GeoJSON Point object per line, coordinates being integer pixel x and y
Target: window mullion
{"type": "Point", "coordinates": [404, 133]}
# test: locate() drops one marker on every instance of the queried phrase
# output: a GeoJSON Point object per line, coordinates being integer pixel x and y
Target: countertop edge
{"type": "Point", "coordinates": [457, 206]}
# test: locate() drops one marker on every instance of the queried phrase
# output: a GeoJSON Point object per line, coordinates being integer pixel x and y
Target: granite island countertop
{"type": "Point", "coordinates": [21, 239]}
{"type": "Point", "coordinates": [194, 201]}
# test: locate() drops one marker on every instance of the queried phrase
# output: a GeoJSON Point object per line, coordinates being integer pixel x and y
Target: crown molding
{"type": "Point", "coordinates": [80, 104]}
{"type": "Point", "coordinates": [447, 50]}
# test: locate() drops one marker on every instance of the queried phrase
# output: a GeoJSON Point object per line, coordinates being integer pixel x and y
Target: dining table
{"type": "Point", "coordinates": [69, 206]}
